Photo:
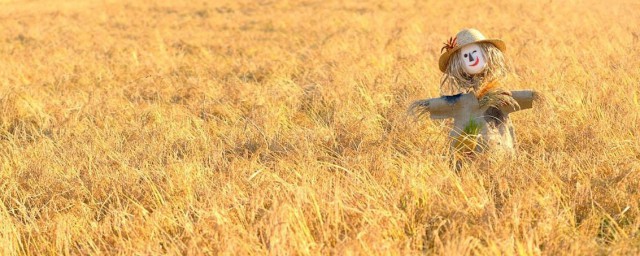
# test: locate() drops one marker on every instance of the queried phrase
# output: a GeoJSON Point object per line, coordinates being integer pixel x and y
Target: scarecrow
{"type": "Point", "coordinates": [474, 69]}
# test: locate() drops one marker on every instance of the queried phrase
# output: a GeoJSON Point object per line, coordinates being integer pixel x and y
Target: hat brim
{"type": "Point", "coordinates": [444, 58]}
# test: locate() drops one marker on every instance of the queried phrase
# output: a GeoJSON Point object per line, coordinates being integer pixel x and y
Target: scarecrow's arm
{"type": "Point", "coordinates": [524, 98]}
{"type": "Point", "coordinates": [437, 108]}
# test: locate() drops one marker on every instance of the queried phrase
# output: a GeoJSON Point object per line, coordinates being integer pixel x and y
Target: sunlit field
{"type": "Point", "coordinates": [281, 127]}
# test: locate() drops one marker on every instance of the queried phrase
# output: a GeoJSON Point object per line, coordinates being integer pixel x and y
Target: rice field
{"type": "Point", "coordinates": [281, 128]}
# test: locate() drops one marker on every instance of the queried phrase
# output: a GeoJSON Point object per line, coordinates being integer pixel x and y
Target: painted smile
{"type": "Point", "coordinates": [476, 63]}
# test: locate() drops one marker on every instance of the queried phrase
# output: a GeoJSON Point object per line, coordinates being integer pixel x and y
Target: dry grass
{"type": "Point", "coordinates": [278, 127]}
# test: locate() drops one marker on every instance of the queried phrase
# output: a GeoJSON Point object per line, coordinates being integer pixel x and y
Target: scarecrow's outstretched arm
{"type": "Point", "coordinates": [524, 98]}
{"type": "Point", "coordinates": [437, 108]}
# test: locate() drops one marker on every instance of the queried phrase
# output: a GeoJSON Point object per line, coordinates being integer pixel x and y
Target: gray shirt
{"type": "Point", "coordinates": [495, 128]}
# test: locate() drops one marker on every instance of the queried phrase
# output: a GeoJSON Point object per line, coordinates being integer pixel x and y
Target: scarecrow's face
{"type": "Point", "coordinates": [473, 59]}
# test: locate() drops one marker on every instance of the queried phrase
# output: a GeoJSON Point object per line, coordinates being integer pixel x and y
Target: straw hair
{"type": "Point", "coordinates": [465, 37]}
{"type": "Point", "coordinates": [455, 80]}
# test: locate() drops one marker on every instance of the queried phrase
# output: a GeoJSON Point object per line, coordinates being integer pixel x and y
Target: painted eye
{"type": "Point", "coordinates": [465, 55]}
{"type": "Point", "coordinates": [475, 51]}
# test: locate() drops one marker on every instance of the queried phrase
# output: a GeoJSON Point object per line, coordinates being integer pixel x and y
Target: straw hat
{"type": "Point", "coordinates": [465, 37]}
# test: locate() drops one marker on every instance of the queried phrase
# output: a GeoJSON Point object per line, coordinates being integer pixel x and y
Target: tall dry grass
{"type": "Point", "coordinates": [279, 127]}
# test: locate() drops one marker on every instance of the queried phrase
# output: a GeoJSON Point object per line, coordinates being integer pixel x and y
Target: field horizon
{"type": "Point", "coordinates": [281, 127]}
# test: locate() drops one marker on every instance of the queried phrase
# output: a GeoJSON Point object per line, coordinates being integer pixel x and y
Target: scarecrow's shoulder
{"type": "Point", "coordinates": [460, 97]}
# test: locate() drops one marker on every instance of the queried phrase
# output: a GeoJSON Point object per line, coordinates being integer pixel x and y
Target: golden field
{"type": "Point", "coordinates": [280, 127]}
